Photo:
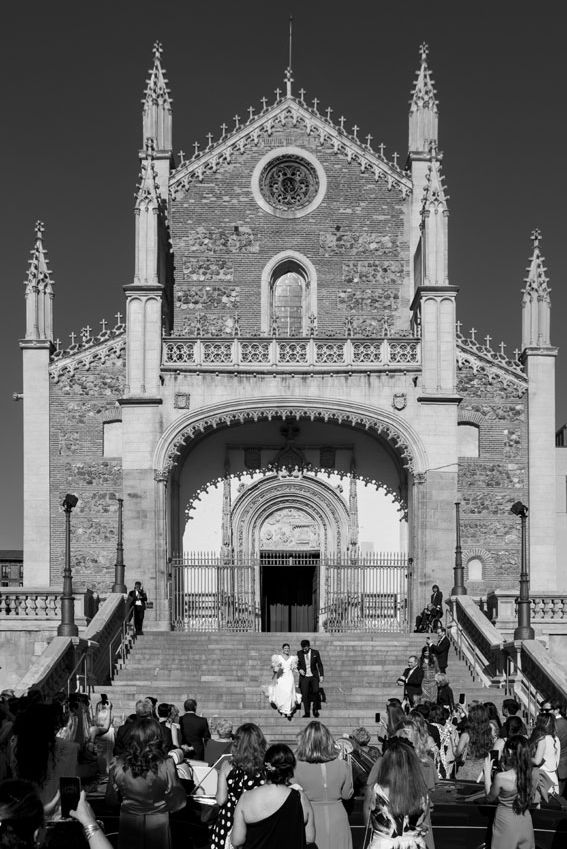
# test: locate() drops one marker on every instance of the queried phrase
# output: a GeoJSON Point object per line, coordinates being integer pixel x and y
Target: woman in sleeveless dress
{"type": "Point", "coordinates": [276, 815]}
{"type": "Point", "coordinates": [546, 751]}
{"type": "Point", "coordinates": [513, 790]}
{"type": "Point", "coordinates": [282, 693]}
{"type": "Point", "coordinates": [242, 773]}
{"type": "Point", "coordinates": [326, 780]}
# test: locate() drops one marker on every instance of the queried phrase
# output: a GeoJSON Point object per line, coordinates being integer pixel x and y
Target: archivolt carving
{"type": "Point", "coordinates": [398, 496]}
{"type": "Point", "coordinates": [256, 414]}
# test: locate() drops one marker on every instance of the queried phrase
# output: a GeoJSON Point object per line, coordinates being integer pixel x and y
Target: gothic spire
{"type": "Point", "coordinates": [423, 115]}
{"type": "Point", "coordinates": [157, 116]}
{"type": "Point", "coordinates": [39, 291]}
{"type": "Point", "coordinates": [148, 201]}
{"type": "Point", "coordinates": [434, 214]}
{"type": "Point", "coordinates": [536, 301]}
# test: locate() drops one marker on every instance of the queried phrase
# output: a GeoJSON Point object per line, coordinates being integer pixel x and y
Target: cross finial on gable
{"type": "Point", "coordinates": [536, 236]}
{"type": "Point", "coordinates": [39, 229]}
{"type": "Point", "coordinates": [157, 50]}
{"type": "Point", "coordinates": [342, 120]}
{"type": "Point", "coordinates": [302, 94]}
{"type": "Point", "coordinates": [355, 130]}
{"type": "Point", "coordinates": [423, 51]}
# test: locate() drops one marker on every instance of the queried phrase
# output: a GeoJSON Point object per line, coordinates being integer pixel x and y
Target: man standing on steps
{"type": "Point", "coordinates": [138, 598]}
{"type": "Point", "coordinates": [194, 730]}
{"type": "Point", "coordinates": [411, 679]}
{"type": "Point", "coordinates": [310, 668]}
{"type": "Point", "coordinates": [441, 648]}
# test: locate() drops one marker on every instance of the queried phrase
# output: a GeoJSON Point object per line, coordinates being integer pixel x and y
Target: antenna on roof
{"type": "Point", "coordinates": [288, 76]}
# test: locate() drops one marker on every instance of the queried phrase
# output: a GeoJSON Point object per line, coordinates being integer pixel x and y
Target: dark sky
{"type": "Point", "coordinates": [73, 75]}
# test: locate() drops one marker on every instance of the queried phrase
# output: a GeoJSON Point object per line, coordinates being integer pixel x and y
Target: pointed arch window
{"type": "Point", "coordinates": [290, 298]}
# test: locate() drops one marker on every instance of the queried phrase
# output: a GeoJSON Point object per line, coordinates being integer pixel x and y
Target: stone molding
{"type": "Point", "coordinates": [288, 109]}
{"type": "Point", "coordinates": [383, 423]}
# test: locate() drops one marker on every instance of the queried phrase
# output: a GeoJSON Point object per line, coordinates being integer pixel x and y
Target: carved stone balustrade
{"type": "Point", "coordinates": [307, 354]}
{"type": "Point", "coordinates": [26, 603]}
{"type": "Point", "coordinates": [548, 616]}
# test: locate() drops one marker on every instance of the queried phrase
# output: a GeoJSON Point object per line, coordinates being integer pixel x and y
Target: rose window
{"type": "Point", "coordinates": [289, 183]}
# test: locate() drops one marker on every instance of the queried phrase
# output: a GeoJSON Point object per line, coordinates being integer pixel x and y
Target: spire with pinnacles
{"type": "Point", "coordinates": [39, 291]}
{"type": "Point", "coordinates": [147, 208]}
{"type": "Point", "coordinates": [423, 115]}
{"type": "Point", "coordinates": [434, 214]}
{"type": "Point", "coordinates": [157, 118]}
{"type": "Point", "coordinates": [536, 301]}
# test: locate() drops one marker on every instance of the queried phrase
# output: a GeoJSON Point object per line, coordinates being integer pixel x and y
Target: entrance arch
{"type": "Point", "coordinates": [206, 435]}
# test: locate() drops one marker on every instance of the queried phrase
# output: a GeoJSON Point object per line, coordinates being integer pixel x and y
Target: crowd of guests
{"type": "Point", "coordinates": [271, 796]}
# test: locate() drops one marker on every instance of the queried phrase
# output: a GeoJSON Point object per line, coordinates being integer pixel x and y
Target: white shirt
{"type": "Point", "coordinates": [308, 673]}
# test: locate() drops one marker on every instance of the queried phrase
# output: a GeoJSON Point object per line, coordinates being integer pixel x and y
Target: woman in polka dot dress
{"type": "Point", "coordinates": [244, 771]}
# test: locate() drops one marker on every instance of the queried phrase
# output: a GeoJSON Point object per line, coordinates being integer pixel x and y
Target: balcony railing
{"type": "Point", "coordinates": [299, 355]}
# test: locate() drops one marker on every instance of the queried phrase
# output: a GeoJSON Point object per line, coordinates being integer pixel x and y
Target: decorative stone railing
{"type": "Point", "coordinates": [544, 607]}
{"type": "Point", "coordinates": [476, 640]}
{"type": "Point", "coordinates": [533, 675]}
{"type": "Point", "coordinates": [29, 603]}
{"type": "Point", "coordinates": [78, 663]}
{"type": "Point", "coordinates": [298, 355]}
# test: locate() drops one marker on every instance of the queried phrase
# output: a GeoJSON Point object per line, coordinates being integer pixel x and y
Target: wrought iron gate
{"type": "Point", "coordinates": [369, 593]}
{"type": "Point", "coordinates": [363, 593]}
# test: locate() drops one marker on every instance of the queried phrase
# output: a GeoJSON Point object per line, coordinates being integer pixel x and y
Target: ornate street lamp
{"type": "Point", "coordinates": [458, 571]}
{"type": "Point", "coordinates": [119, 586]}
{"type": "Point", "coordinates": [524, 631]}
{"type": "Point", "coordinates": [67, 628]}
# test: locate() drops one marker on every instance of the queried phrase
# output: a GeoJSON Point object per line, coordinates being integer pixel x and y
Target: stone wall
{"type": "Point", "coordinates": [490, 483]}
{"type": "Point", "coordinates": [355, 239]}
{"type": "Point", "coordinates": [79, 404]}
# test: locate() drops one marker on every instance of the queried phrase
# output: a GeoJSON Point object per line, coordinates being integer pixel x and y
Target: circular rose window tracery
{"type": "Point", "coordinates": [288, 183]}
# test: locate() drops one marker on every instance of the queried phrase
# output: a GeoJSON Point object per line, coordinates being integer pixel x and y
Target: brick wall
{"type": "Point", "coordinates": [77, 407]}
{"type": "Point", "coordinates": [491, 483]}
{"type": "Point", "coordinates": [355, 238]}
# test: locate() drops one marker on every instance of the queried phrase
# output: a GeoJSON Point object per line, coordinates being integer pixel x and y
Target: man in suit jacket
{"type": "Point", "coordinates": [441, 648]}
{"type": "Point", "coordinates": [310, 668]}
{"type": "Point", "coordinates": [138, 598]}
{"type": "Point", "coordinates": [194, 730]}
{"type": "Point", "coordinates": [411, 679]}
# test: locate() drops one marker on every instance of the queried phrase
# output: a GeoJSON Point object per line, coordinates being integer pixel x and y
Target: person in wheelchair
{"type": "Point", "coordinates": [432, 613]}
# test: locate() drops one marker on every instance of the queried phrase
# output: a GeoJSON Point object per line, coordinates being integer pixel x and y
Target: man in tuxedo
{"type": "Point", "coordinates": [441, 648]}
{"type": "Point", "coordinates": [138, 598]}
{"type": "Point", "coordinates": [194, 730]}
{"type": "Point", "coordinates": [310, 668]}
{"type": "Point", "coordinates": [411, 679]}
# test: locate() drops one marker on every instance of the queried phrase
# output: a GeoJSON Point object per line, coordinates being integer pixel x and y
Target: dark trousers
{"type": "Point", "coordinates": [139, 618]}
{"type": "Point", "coordinates": [310, 693]}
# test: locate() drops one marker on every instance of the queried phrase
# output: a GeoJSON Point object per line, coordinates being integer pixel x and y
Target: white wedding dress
{"type": "Point", "coordinates": [281, 691]}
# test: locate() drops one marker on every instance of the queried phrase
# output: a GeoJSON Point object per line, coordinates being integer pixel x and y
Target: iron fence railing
{"type": "Point", "coordinates": [359, 592]}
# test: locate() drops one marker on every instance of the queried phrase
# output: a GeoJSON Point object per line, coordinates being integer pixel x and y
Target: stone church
{"type": "Point", "coordinates": [290, 315]}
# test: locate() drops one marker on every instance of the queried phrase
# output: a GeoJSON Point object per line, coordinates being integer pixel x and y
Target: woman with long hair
{"type": "Point", "coordinates": [39, 755]}
{"type": "Point", "coordinates": [475, 743]}
{"type": "Point", "coordinates": [244, 771]}
{"type": "Point", "coordinates": [275, 815]}
{"type": "Point", "coordinates": [146, 779]}
{"type": "Point", "coordinates": [512, 789]}
{"type": "Point", "coordinates": [281, 692]}
{"type": "Point", "coordinates": [395, 714]}
{"type": "Point", "coordinates": [430, 668]}
{"type": "Point", "coordinates": [546, 749]}
{"type": "Point", "coordinates": [326, 780]}
{"type": "Point", "coordinates": [398, 803]}
{"type": "Point", "coordinates": [445, 695]}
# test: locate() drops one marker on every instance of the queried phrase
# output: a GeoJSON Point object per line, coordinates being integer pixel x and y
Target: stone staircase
{"type": "Point", "coordinates": [225, 673]}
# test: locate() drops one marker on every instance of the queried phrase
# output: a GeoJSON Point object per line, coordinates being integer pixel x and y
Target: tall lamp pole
{"type": "Point", "coordinates": [458, 571]}
{"type": "Point", "coordinates": [67, 628]}
{"type": "Point", "coordinates": [524, 631]}
{"type": "Point", "coordinates": [119, 586]}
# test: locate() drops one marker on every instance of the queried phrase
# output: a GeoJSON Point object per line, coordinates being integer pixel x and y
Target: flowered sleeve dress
{"type": "Point", "coordinates": [238, 782]}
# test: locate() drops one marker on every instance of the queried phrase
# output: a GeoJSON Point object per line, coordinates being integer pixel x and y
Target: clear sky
{"type": "Point", "coordinates": [73, 75]}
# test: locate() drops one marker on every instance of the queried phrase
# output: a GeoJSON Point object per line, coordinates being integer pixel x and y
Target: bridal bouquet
{"type": "Point", "coordinates": [276, 664]}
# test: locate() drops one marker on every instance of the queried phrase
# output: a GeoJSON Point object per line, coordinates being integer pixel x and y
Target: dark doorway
{"type": "Point", "coordinates": [289, 591]}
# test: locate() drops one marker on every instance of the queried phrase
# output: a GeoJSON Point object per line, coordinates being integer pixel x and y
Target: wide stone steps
{"type": "Point", "coordinates": [226, 674]}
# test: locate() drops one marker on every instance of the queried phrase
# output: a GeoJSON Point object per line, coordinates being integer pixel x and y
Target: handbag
{"type": "Point", "coordinates": [322, 694]}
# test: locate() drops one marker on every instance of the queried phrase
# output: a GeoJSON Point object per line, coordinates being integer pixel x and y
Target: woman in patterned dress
{"type": "Point", "coordinates": [242, 772]}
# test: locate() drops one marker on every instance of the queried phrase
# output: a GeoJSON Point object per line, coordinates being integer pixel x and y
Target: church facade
{"type": "Point", "coordinates": [290, 315]}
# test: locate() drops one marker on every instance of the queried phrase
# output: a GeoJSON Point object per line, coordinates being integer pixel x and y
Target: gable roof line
{"type": "Point", "coordinates": [343, 143]}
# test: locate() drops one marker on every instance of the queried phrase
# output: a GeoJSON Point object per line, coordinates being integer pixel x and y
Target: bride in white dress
{"type": "Point", "coordinates": [282, 692]}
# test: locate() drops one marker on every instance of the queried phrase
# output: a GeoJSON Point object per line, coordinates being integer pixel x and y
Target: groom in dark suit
{"type": "Point", "coordinates": [310, 668]}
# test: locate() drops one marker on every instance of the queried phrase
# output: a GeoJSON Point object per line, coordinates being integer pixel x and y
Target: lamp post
{"type": "Point", "coordinates": [458, 571]}
{"type": "Point", "coordinates": [119, 586]}
{"type": "Point", "coordinates": [67, 628]}
{"type": "Point", "coordinates": [524, 631]}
